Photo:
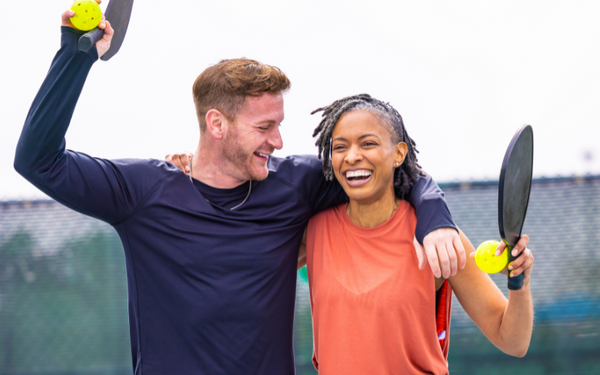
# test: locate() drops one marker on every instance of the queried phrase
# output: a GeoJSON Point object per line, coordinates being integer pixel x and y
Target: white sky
{"type": "Point", "coordinates": [465, 75]}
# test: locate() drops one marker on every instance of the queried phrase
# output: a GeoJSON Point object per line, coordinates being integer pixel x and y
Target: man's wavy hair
{"type": "Point", "coordinates": [406, 175]}
{"type": "Point", "coordinates": [225, 85]}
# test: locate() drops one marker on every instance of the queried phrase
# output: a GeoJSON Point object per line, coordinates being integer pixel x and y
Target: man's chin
{"type": "Point", "coordinates": [259, 176]}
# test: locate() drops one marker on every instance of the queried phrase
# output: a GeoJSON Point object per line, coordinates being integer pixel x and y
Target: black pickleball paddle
{"type": "Point", "coordinates": [513, 192]}
{"type": "Point", "coordinates": [118, 13]}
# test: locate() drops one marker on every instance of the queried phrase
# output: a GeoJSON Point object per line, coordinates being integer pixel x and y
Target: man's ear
{"type": "Point", "coordinates": [215, 123]}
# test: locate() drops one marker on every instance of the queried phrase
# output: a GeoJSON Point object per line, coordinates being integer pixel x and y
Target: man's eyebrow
{"type": "Point", "coordinates": [265, 122]}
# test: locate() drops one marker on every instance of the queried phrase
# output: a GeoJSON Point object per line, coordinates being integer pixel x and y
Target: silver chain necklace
{"type": "Point", "coordinates": [232, 208]}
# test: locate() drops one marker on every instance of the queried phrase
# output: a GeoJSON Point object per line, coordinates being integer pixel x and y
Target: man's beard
{"type": "Point", "coordinates": [238, 157]}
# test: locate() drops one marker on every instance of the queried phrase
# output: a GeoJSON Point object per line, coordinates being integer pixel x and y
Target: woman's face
{"type": "Point", "coordinates": [363, 156]}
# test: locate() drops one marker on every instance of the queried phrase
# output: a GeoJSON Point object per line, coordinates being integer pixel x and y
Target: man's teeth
{"type": "Point", "coordinates": [261, 154]}
{"type": "Point", "coordinates": [351, 174]}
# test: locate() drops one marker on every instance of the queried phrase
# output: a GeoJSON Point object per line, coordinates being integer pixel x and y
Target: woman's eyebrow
{"type": "Point", "coordinates": [359, 138]}
{"type": "Point", "coordinates": [368, 135]}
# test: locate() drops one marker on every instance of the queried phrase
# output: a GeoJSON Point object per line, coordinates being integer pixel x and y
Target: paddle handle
{"type": "Point", "coordinates": [514, 283]}
{"type": "Point", "coordinates": [89, 39]}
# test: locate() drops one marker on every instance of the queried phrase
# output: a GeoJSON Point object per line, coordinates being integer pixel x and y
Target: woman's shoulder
{"type": "Point", "coordinates": [332, 214]}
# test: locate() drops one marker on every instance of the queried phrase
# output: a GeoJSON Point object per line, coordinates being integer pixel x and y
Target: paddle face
{"type": "Point", "coordinates": [118, 13]}
{"type": "Point", "coordinates": [513, 192]}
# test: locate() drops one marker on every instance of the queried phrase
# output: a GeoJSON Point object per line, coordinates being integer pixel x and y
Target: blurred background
{"type": "Point", "coordinates": [465, 75]}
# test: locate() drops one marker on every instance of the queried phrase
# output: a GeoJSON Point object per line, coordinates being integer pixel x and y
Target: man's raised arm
{"type": "Point", "coordinates": [95, 187]}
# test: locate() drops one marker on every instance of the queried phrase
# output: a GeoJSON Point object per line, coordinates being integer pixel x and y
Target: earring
{"type": "Point", "coordinates": [397, 164]}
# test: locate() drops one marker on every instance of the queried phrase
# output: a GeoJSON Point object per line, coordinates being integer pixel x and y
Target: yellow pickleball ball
{"type": "Point", "coordinates": [87, 14]}
{"type": "Point", "coordinates": [486, 259]}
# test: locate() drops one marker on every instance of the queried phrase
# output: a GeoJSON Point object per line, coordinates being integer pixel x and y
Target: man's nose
{"type": "Point", "coordinates": [275, 140]}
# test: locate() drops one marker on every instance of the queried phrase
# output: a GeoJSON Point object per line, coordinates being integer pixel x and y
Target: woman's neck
{"type": "Point", "coordinates": [372, 214]}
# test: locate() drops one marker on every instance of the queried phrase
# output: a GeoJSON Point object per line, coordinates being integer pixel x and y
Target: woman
{"type": "Point", "coordinates": [374, 311]}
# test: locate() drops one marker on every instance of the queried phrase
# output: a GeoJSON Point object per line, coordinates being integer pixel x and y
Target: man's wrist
{"type": "Point", "coordinates": [432, 214]}
{"type": "Point", "coordinates": [70, 40]}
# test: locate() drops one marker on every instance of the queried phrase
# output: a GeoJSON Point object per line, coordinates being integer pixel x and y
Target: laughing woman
{"type": "Point", "coordinates": [374, 311]}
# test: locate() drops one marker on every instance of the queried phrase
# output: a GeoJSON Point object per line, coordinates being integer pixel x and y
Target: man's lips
{"type": "Point", "coordinates": [261, 155]}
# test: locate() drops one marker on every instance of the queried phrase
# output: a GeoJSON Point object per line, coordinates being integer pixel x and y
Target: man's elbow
{"type": "Point", "coordinates": [23, 164]}
{"type": "Point", "coordinates": [20, 166]}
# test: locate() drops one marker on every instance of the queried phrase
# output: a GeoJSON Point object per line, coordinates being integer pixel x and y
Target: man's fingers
{"type": "Point", "coordinates": [460, 251]}
{"type": "Point", "coordinates": [445, 251]}
{"type": "Point", "coordinates": [443, 257]}
{"type": "Point", "coordinates": [432, 259]}
{"type": "Point", "coordinates": [108, 30]}
{"type": "Point", "coordinates": [452, 258]}
{"type": "Point", "coordinates": [420, 254]}
{"type": "Point", "coordinates": [66, 18]}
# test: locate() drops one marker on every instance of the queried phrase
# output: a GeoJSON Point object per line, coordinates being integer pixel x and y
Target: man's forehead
{"type": "Point", "coordinates": [264, 104]}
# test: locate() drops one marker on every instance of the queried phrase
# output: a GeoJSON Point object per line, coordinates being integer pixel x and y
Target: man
{"type": "Point", "coordinates": [211, 260]}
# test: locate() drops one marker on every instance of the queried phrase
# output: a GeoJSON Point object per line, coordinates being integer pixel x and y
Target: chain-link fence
{"type": "Point", "coordinates": [63, 302]}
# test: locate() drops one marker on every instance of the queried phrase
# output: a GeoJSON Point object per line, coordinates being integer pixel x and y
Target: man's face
{"type": "Point", "coordinates": [253, 136]}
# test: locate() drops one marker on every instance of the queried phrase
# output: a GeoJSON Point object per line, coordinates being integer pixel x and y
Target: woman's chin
{"type": "Point", "coordinates": [359, 194]}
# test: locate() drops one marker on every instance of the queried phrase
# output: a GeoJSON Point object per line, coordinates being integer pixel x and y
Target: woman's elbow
{"type": "Point", "coordinates": [516, 351]}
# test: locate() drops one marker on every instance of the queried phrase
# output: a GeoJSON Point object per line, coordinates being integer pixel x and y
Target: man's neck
{"type": "Point", "coordinates": [212, 170]}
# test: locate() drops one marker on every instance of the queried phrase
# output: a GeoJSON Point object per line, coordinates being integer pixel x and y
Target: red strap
{"type": "Point", "coordinates": [443, 308]}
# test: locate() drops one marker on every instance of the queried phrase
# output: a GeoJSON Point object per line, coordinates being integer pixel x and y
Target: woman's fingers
{"type": "Point", "coordinates": [181, 161]}
{"type": "Point", "coordinates": [520, 246]}
{"type": "Point", "coordinates": [522, 263]}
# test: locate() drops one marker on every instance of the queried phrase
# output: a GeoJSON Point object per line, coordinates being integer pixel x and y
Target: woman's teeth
{"type": "Point", "coordinates": [358, 174]}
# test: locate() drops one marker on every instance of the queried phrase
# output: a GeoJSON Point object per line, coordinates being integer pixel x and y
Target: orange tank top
{"type": "Point", "coordinates": [374, 311]}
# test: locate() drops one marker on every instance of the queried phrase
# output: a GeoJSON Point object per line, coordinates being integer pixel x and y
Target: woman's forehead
{"type": "Point", "coordinates": [359, 122]}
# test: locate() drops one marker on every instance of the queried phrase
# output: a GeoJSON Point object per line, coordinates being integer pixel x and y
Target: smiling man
{"type": "Point", "coordinates": [211, 258]}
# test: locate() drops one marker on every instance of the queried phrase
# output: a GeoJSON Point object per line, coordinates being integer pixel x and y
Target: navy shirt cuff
{"type": "Point", "coordinates": [432, 213]}
{"type": "Point", "coordinates": [70, 39]}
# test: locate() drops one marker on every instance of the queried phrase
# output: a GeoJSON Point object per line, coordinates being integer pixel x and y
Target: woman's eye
{"type": "Point", "coordinates": [370, 144]}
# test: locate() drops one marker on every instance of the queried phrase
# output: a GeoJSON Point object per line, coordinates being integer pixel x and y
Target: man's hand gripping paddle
{"type": "Point", "coordinates": [513, 198]}
{"type": "Point", "coordinates": [117, 13]}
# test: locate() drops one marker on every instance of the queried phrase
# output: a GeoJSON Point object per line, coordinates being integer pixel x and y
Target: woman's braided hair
{"type": "Point", "coordinates": [404, 176]}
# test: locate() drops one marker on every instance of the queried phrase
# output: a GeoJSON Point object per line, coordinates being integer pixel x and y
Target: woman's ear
{"type": "Point", "coordinates": [400, 151]}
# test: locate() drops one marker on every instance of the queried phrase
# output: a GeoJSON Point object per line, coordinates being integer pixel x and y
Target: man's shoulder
{"type": "Point", "coordinates": [144, 171]}
{"type": "Point", "coordinates": [155, 165]}
{"type": "Point", "coordinates": [295, 167]}
{"type": "Point", "coordinates": [300, 171]}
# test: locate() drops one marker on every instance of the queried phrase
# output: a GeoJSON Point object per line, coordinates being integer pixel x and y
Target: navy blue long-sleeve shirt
{"type": "Point", "coordinates": [211, 290]}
